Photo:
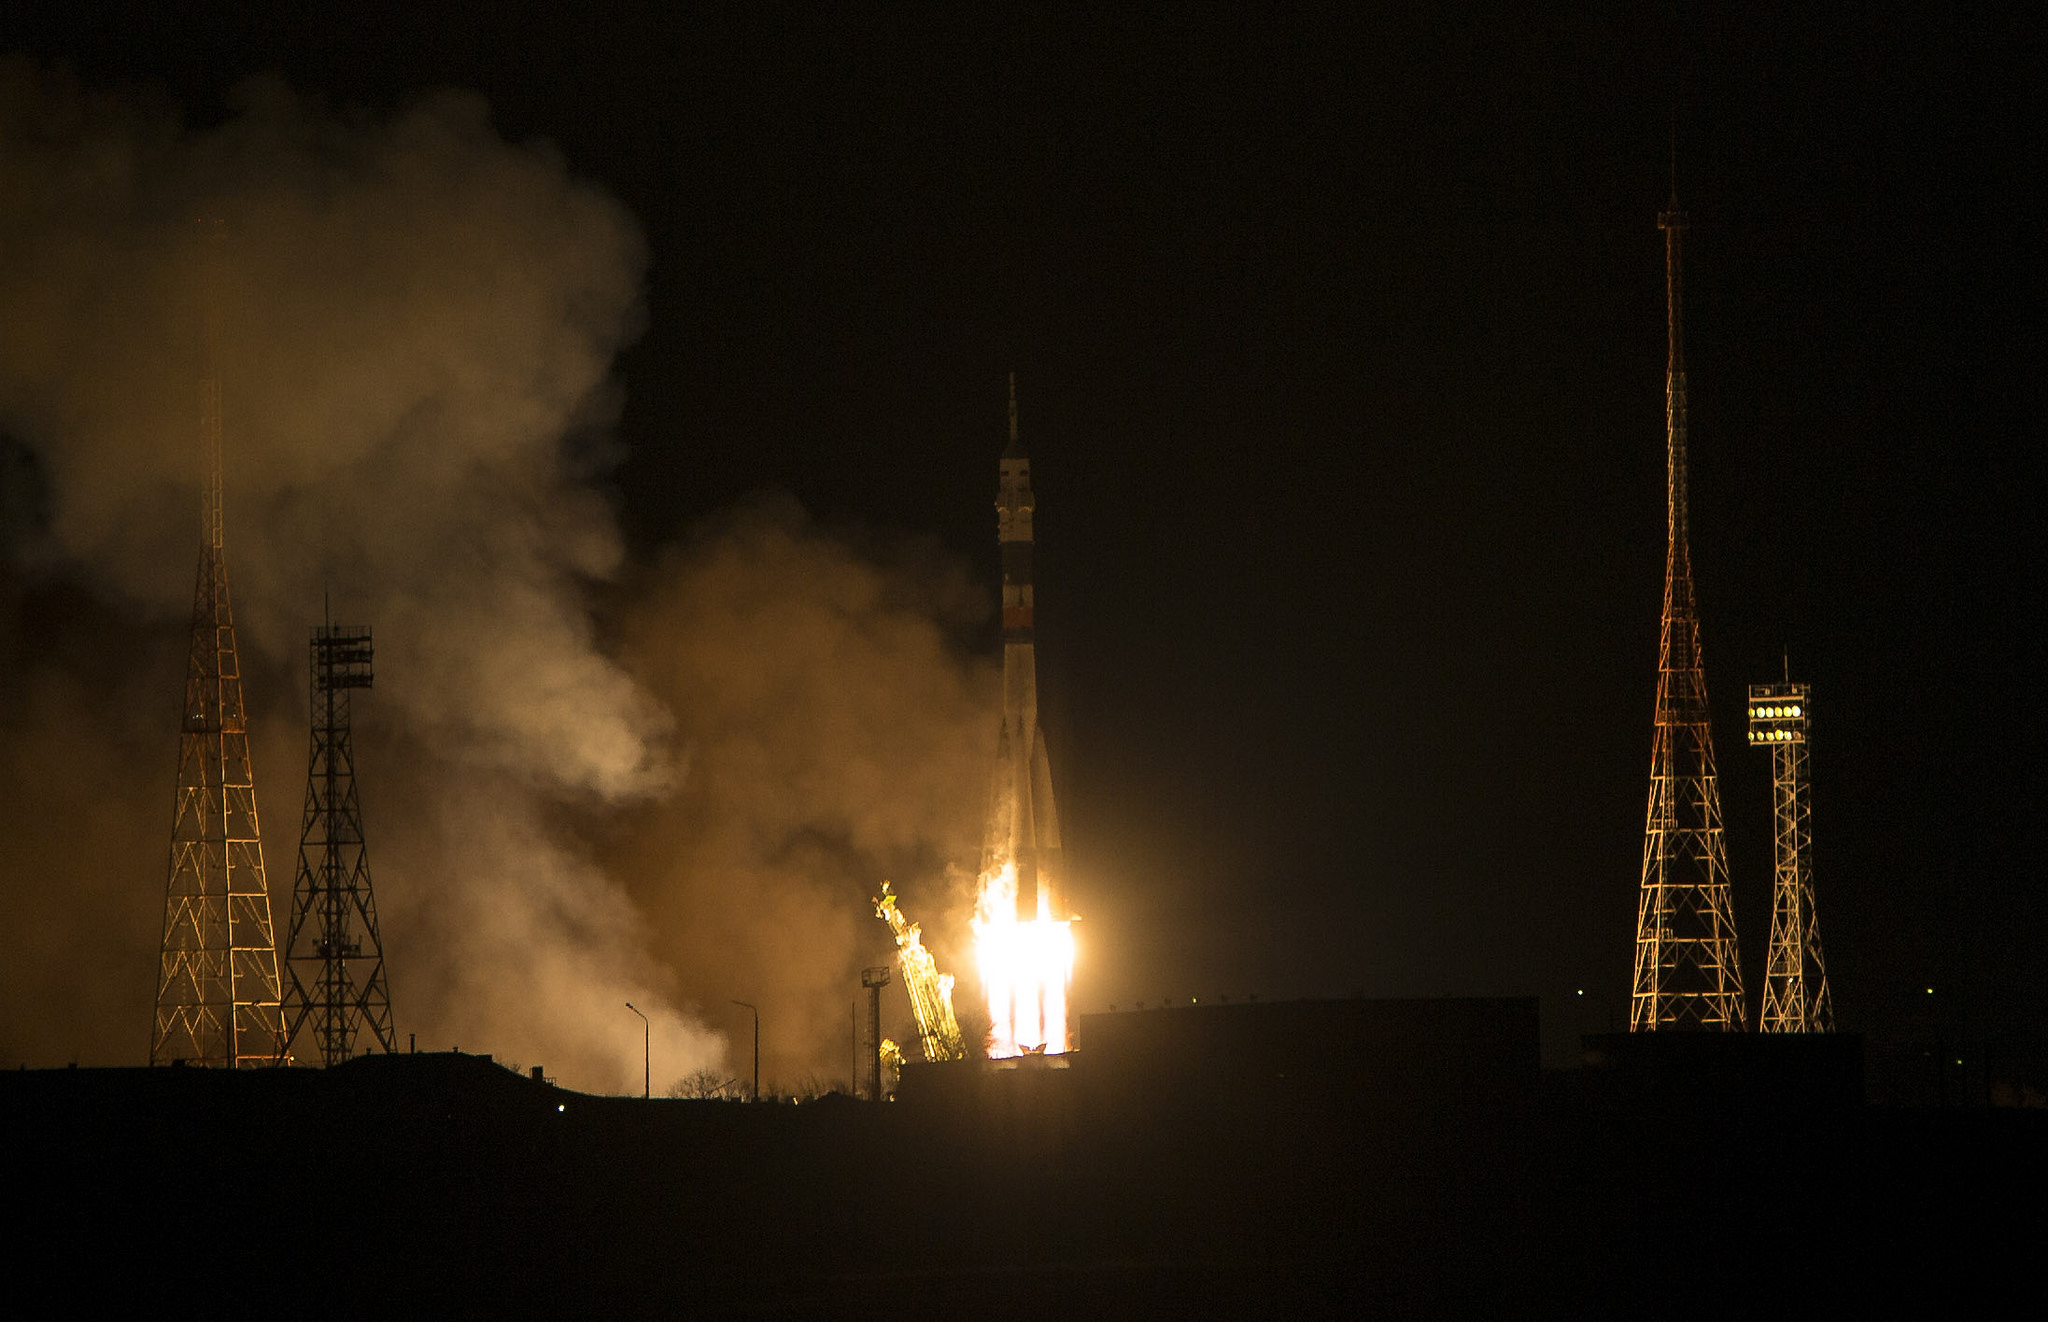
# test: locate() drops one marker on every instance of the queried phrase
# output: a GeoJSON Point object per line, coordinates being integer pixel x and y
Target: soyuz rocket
{"type": "Point", "coordinates": [1023, 825]}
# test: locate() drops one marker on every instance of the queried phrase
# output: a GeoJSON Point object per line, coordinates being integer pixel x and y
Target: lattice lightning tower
{"type": "Point", "coordinates": [1796, 996]}
{"type": "Point", "coordinates": [333, 930]}
{"type": "Point", "coordinates": [217, 999]}
{"type": "Point", "coordinates": [1687, 971]}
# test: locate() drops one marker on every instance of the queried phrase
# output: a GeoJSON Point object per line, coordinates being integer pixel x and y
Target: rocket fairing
{"type": "Point", "coordinates": [1023, 825]}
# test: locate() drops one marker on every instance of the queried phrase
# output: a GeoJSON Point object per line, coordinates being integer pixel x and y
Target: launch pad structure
{"type": "Point", "coordinates": [1796, 998]}
{"type": "Point", "coordinates": [931, 992]}
{"type": "Point", "coordinates": [1688, 972]}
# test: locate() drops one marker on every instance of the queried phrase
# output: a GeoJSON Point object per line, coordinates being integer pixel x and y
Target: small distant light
{"type": "Point", "coordinates": [560, 1107]}
{"type": "Point", "coordinates": [1582, 991]}
{"type": "Point", "coordinates": [1795, 711]}
{"type": "Point", "coordinates": [1930, 991]}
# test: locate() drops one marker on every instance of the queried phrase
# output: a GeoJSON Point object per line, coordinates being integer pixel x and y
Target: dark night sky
{"type": "Point", "coordinates": [1340, 342]}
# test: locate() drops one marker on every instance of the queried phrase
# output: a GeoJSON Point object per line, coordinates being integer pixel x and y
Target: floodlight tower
{"type": "Point", "coordinates": [1796, 996]}
{"type": "Point", "coordinates": [1687, 971]}
{"type": "Point", "coordinates": [333, 930]}
{"type": "Point", "coordinates": [217, 987]}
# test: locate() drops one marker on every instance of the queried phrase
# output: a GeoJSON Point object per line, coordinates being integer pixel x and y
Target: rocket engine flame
{"type": "Point", "coordinates": [1025, 968]}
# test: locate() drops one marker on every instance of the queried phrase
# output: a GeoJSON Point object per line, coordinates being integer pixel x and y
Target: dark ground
{"type": "Point", "coordinates": [446, 1185]}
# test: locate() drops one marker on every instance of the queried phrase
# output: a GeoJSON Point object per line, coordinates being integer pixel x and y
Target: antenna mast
{"type": "Point", "coordinates": [1688, 973]}
{"type": "Point", "coordinates": [217, 999]}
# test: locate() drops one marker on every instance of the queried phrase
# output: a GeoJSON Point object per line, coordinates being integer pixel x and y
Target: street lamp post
{"type": "Point", "coordinates": [647, 1053]}
{"type": "Point", "coordinates": [757, 1047]}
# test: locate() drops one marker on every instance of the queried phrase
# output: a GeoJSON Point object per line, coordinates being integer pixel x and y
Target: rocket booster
{"type": "Point", "coordinates": [1023, 823]}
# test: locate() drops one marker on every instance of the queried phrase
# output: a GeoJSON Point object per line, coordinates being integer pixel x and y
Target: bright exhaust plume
{"type": "Point", "coordinates": [1026, 966]}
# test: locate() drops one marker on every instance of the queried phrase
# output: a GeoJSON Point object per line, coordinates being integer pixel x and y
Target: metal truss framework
{"type": "Point", "coordinates": [333, 929]}
{"type": "Point", "coordinates": [1688, 973]}
{"type": "Point", "coordinates": [1796, 996]}
{"type": "Point", "coordinates": [931, 992]}
{"type": "Point", "coordinates": [217, 1001]}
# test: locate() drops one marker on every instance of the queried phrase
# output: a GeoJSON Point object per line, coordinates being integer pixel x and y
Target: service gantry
{"type": "Point", "coordinates": [931, 992]}
{"type": "Point", "coordinates": [1796, 996]}
{"type": "Point", "coordinates": [334, 957]}
{"type": "Point", "coordinates": [1687, 971]}
{"type": "Point", "coordinates": [217, 999]}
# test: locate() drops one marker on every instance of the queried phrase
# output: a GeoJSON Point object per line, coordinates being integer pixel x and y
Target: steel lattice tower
{"type": "Point", "coordinates": [1796, 996]}
{"type": "Point", "coordinates": [333, 928]}
{"type": "Point", "coordinates": [1687, 971]}
{"type": "Point", "coordinates": [217, 999]}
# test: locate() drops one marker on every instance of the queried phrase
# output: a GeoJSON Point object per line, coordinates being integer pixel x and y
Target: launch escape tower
{"type": "Point", "coordinates": [1796, 985]}
{"type": "Point", "coordinates": [333, 929]}
{"type": "Point", "coordinates": [1687, 971]}
{"type": "Point", "coordinates": [217, 997]}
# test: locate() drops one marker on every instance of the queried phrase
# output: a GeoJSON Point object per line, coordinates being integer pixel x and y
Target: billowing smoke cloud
{"type": "Point", "coordinates": [418, 325]}
{"type": "Point", "coordinates": [836, 735]}
{"type": "Point", "coordinates": [418, 322]}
